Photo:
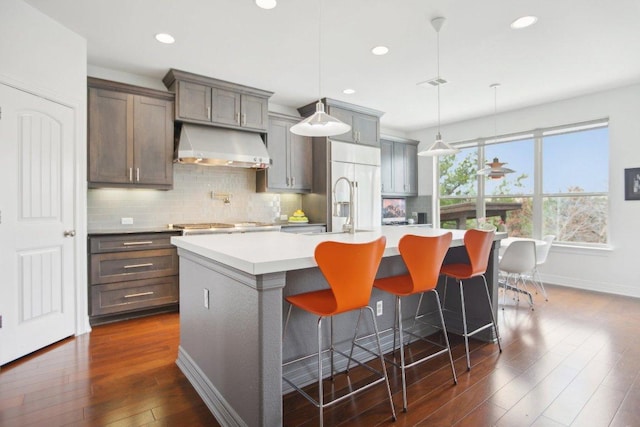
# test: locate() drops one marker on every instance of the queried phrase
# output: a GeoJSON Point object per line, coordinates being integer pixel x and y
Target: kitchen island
{"type": "Point", "coordinates": [231, 312]}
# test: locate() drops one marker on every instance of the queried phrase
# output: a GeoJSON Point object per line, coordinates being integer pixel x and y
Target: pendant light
{"type": "Point", "coordinates": [495, 169]}
{"type": "Point", "coordinates": [320, 123]}
{"type": "Point", "coordinates": [439, 147]}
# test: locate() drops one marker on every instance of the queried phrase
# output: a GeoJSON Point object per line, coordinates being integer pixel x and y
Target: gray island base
{"type": "Point", "coordinates": [231, 313]}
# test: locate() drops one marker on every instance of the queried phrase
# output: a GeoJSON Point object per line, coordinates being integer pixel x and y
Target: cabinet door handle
{"type": "Point", "coordinates": [148, 264]}
{"type": "Point", "coordinates": [141, 294]}
{"type": "Point", "coordinates": [244, 119]}
{"type": "Point", "coordinates": [208, 113]}
{"type": "Point", "coordinates": [147, 242]}
{"type": "Point", "coordinates": [287, 180]}
{"type": "Point", "coordinates": [237, 118]}
{"type": "Point", "coordinates": [69, 233]}
{"type": "Point", "coordinates": [293, 181]}
{"type": "Point", "coordinates": [138, 174]}
{"type": "Point", "coordinates": [130, 174]}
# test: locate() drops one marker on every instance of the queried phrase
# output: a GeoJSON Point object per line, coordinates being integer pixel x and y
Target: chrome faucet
{"type": "Point", "coordinates": [338, 207]}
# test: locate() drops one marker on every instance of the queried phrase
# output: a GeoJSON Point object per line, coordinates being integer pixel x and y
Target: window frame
{"type": "Point", "coordinates": [537, 135]}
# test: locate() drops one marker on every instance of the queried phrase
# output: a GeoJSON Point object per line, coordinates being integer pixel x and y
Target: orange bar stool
{"type": "Point", "coordinates": [423, 257]}
{"type": "Point", "coordinates": [350, 269]}
{"type": "Point", "coordinates": [478, 245]}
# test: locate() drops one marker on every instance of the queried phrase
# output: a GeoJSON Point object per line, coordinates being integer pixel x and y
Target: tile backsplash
{"type": "Point", "coordinates": [190, 200]}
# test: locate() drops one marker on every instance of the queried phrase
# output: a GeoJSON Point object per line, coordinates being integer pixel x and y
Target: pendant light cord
{"type": "Point", "coordinates": [495, 111]}
{"type": "Point", "coordinates": [319, 50]}
{"type": "Point", "coordinates": [438, 71]}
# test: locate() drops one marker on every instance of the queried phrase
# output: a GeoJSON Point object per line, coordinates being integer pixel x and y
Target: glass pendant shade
{"type": "Point", "coordinates": [495, 169]}
{"type": "Point", "coordinates": [320, 124]}
{"type": "Point", "coordinates": [438, 148]}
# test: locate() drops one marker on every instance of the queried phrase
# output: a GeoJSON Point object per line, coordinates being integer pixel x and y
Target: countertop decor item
{"type": "Point", "coordinates": [298, 217]}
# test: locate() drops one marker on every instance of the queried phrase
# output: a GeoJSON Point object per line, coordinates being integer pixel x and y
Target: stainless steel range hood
{"type": "Point", "coordinates": [211, 146]}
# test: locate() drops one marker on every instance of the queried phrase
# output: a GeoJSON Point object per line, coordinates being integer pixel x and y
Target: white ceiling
{"type": "Point", "coordinates": [577, 46]}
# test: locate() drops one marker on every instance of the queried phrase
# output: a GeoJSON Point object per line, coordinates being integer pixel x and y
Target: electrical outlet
{"type": "Point", "coordinates": [283, 217]}
{"type": "Point", "coordinates": [206, 298]}
{"type": "Point", "coordinates": [126, 221]}
{"type": "Point", "coordinates": [379, 308]}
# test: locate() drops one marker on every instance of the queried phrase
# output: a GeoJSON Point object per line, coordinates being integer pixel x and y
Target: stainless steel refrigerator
{"type": "Point", "coordinates": [358, 163]}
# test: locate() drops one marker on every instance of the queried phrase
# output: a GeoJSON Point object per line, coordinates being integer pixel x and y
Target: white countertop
{"type": "Point", "coordinates": [273, 251]}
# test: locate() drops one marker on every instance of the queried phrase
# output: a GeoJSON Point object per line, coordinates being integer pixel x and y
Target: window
{"type": "Point", "coordinates": [560, 184]}
{"type": "Point", "coordinates": [575, 171]}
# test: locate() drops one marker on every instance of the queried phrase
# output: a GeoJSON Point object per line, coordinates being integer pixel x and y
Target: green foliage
{"type": "Point", "coordinates": [460, 179]}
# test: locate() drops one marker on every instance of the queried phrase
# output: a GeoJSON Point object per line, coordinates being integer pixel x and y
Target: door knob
{"type": "Point", "coordinates": [69, 233]}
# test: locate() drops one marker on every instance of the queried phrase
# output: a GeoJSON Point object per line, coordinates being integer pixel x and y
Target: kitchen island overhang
{"type": "Point", "coordinates": [231, 351]}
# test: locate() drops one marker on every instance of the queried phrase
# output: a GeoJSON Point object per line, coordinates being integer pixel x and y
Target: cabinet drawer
{"type": "Point", "coordinates": [131, 242]}
{"type": "Point", "coordinates": [121, 266]}
{"type": "Point", "coordinates": [133, 295]}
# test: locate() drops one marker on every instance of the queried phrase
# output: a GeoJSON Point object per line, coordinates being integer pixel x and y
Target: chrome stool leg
{"type": "Point", "coordinates": [446, 338]}
{"type": "Point", "coordinates": [464, 326]}
{"type": "Point", "coordinates": [320, 391]}
{"type": "Point", "coordinates": [493, 317]}
{"type": "Point", "coordinates": [384, 367]}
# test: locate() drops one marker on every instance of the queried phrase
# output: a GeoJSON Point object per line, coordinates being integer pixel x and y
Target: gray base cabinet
{"type": "Point", "coordinates": [130, 274]}
{"type": "Point", "coordinates": [291, 156]}
{"type": "Point", "coordinates": [399, 166]}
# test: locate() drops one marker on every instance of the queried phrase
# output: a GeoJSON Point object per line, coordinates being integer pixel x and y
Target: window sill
{"type": "Point", "coordinates": [577, 249]}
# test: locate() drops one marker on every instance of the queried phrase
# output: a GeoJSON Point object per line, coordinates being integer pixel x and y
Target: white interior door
{"type": "Point", "coordinates": [37, 289]}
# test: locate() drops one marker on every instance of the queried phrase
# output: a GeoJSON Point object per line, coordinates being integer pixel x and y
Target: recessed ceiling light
{"type": "Point", "coordinates": [165, 38]}
{"type": "Point", "coordinates": [349, 91]}
{"type": "Point", "coordinates": [524, 22]}
{"type": "Point", "coordinates": [380, 50]}
{"type": "Point", "coordinates": [266, 4]}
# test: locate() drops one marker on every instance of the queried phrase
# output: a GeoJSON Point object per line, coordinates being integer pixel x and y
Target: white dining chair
{"type": "Point", "coordinates": [517, 263]}
{"type": "Point", "coordinates": [542, 252]}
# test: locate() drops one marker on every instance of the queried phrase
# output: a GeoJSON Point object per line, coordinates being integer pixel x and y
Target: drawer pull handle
{"type": "Point", "coordinates": [138, 243]}
{"type": "Point", "coordinates": [141, 294]}
{"type": "Point", "coordinates": [148, 264]}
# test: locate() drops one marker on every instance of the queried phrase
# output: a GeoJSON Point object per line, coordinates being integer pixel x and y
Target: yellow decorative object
{"type": "Point", "coordinates": [298, 216]}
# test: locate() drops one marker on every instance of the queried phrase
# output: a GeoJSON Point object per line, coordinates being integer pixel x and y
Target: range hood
{"type": "Point", "coordinates": [211, 146]}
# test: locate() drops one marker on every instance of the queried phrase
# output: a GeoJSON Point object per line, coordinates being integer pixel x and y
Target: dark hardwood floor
{"type": "Point", "coordinates": [574, 361]}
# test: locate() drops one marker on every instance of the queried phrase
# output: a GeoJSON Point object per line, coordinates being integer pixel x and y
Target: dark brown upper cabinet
{"type": "Point", "coordinates": [210, 101]}
{"type": "Point", "coordinates": [130, 135]}
{"type": "Point", "coordinates": [364, 122]}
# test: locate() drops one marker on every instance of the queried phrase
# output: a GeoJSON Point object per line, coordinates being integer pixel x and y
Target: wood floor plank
{"type": "Point", "coordinates": [601, 408]}
{"type": "Point", "coordinates": [628, 413]}
{"type": "Point", "coordinates": [572, 361]}
{"type": "Point", "coordinates": [566, 407]}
